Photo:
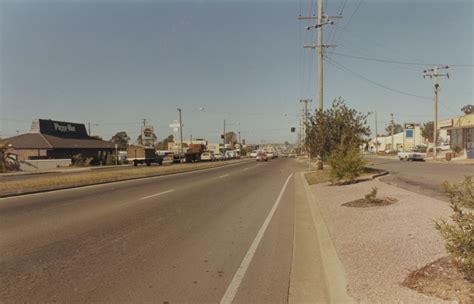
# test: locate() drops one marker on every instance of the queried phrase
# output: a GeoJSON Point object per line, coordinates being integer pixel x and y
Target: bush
{"type": "Point", "coordinates": [459, 234]}
{"type": "Point", "coordinates": [457, 149]}
{"type": "Point", "coordinates": [346, 163]}
{"type": "Point", "coordinates": [372, 195]}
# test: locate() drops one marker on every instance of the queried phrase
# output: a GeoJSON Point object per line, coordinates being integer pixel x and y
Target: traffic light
{"type": "Point", "coordinates": [293, 129]}
{"type": "Point", "coordinates": [222, 136]}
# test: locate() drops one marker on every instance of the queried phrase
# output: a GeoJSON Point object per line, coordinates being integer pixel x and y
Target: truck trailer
{"type": "Point", "coordinates": [138, 154]}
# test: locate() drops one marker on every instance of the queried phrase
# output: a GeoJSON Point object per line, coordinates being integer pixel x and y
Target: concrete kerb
{"type": "Point", "coordinates": [332, 265]}
{"type": "Point", "coordinates": [52, 189]}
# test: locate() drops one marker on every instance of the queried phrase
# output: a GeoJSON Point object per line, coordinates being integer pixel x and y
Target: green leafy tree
{"type": "Point", "coordinates": [121, 139]}
{"type": "Point", "coordinates": [230, 138]}
{"type": "Point", "coordinates": [468, 109]}
{"type": "Point", "coordinates": [427, 131]}
{"type": "Point", "coordinates": [337, 125]}
{"type": "Point", "coordinates": [347, 163]}
{"type": "Point", "coordinates": [459, 234]}
{"type": "Point", "coordinates": [397, 128]}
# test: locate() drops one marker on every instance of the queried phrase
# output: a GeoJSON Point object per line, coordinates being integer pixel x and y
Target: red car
{"type": "Point", "coordinates": [262, 157]}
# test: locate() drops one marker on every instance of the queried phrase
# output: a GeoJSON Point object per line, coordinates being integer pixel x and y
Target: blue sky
{"type": "Point", "coordinates": [113, 63]}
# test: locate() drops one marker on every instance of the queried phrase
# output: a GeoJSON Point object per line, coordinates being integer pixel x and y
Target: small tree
{"type": "Point", "coordinates": [427, 131]}
{"type": "Point", "coordinates": [468, 109]}
{"type": "Point", "coordinates": [121, 139]}
{"type": "Point", "coordinates": [397, 128]}
{"type": "Point", "coordinates": [459, 234]}
{"type": "Point", "coordinates": [337, 125]}
{"type": "Point", "coordinates": [346, 163]}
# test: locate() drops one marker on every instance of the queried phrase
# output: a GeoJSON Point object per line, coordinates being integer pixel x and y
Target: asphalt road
{"type": "Point", "coordinates": [421, 177]}
{"type": "Point", "coordinates": [191, 237]}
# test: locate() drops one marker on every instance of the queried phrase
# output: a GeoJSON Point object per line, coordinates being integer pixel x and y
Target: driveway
{"type": "Point", "coordinates": [421, 177]}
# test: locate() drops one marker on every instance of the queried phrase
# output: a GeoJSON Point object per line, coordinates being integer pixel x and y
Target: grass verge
{"type": "Point", "coordinates": [42, 182]}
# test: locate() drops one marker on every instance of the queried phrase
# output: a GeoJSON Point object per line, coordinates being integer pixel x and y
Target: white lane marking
{"type": "Point", "coordinates": [239, 275]}
{"type": "Point", "coordinates": [158, 194]}
{"type": "Point", "coordinates": [245, 169]}
{"type": "Point", "coordinates": [225, 175]}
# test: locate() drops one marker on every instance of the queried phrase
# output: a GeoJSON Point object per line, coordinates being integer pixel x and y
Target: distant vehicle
{"type": "Point", "coordinates": [254, 153]}
{"type": "Point", "coordinates": [193, 153]}
{"type": "Point", "coordinates": [207, 156]}
{"type": "Point", "coordinates": [230, 155]}
{"type": "Point", "coordinates": [270, 155]}
{"type": "Point", "coordinates": [411, 155]}
{"type": "Point", "coordinates": [444, 147]}
{"type": "Point", "coordinates": [262, 157]}
{"type": "Point", "coordinates": [218, 156]}
{"type": "Point", "coordinates": [137, 154]}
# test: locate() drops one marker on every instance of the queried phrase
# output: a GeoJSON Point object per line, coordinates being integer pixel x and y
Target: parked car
{"type": "Point", "coordinates": [411, 155]}
{"type": "Point", "coordinates": [254, 153]}
{"type": "Point", "coordinates": [262, 157]}
{"type": "Point", "coordinates": [270, 155]}
{"type": "Point", "coordinates": [444, 147]}
{"type": "Point", "coordinates": [218, 156]}
{"type": "Point", "coordinates": [207, 156]}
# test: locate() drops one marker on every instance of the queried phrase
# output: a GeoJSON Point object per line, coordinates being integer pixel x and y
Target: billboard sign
{"type": "Point", "coordinates": [62, 129]}
{"type": "Point", "coordinates": [148, 136]}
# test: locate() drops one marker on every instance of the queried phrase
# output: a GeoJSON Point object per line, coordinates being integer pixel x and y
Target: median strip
{"type": "Point", "coordinates": [44, 183]}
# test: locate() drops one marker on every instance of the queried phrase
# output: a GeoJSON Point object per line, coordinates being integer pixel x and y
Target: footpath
{"type": "Point", "coordinates": [379, 246]}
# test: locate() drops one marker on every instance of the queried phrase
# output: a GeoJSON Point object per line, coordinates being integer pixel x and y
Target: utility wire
{"type": "Point", "coordinates": [346, 69]}
{"type": "Point", "coordinates": [399, 62]}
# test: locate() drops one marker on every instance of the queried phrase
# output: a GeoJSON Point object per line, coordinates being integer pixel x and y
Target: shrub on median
{"type": "Point", "coordinates": [346, 163]}
{"type": "Point", "coordinates": [459, 234]}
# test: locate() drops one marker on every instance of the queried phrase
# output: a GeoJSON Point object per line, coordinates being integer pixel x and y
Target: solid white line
{"type": "Point", "coordinates": [225, 175]}
{"type": "Point", "coordinates": [239, 275]}
{"type": "Point", "coordinates": [158, 194]}
{"type": "Point", "coordinates": [245, 169]}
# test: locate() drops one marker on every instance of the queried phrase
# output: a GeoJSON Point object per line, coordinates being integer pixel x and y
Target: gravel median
{"type": "Point", "coordinates": [380, 246]}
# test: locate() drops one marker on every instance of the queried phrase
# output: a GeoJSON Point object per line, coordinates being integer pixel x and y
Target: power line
{"type": "Point", "coordinates": [346, 69]}
{"type": "Point", "coordinates": [398, 62]}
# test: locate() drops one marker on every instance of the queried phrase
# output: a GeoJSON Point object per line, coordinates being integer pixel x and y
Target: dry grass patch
{"type": "Point", "coordinates": [318, 177]}
{"type": "Point", "coordinates": [94, 177]}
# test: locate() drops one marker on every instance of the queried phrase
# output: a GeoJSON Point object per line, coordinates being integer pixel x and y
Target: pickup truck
{"type": "Point", "coordinates": [411, 155]}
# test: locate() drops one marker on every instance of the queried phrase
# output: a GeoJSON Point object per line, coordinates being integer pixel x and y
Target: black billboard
{"type": "Point", "coordinates": [63, 129]}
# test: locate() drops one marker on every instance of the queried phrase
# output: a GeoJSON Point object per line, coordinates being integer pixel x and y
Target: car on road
{"type": "Point", "coordinates": [207, 156]}
{"type": "Point", "coordinates": [270, 155]}
{"type": "Point", "coordinates": [254, 153]}
{"type": "Point", "coordinates": [411, 155]}
{"type": "Point", "coordinates": [262, 157]}
{"type": "Point", "coordinates": [218, 156]}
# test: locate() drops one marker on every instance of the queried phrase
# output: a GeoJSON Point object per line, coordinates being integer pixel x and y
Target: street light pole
{"type": "Point", "coordinates": [393, 141]}
{"type": "Point", "coordinates": [376, 135]}
{"type": "Point", "coordinates": [180, 134]}
{"type": "Point", "coordinates": [434, 73]}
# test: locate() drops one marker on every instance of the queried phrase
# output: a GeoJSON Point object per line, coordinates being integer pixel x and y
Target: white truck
{"type": "Point", "coordinates": [411, 155]}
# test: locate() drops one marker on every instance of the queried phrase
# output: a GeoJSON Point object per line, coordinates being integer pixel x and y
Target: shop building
{"type": "Point", "coordinates": [460, 131]}
{"type": "Point", "coordinates": [49, 139]}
